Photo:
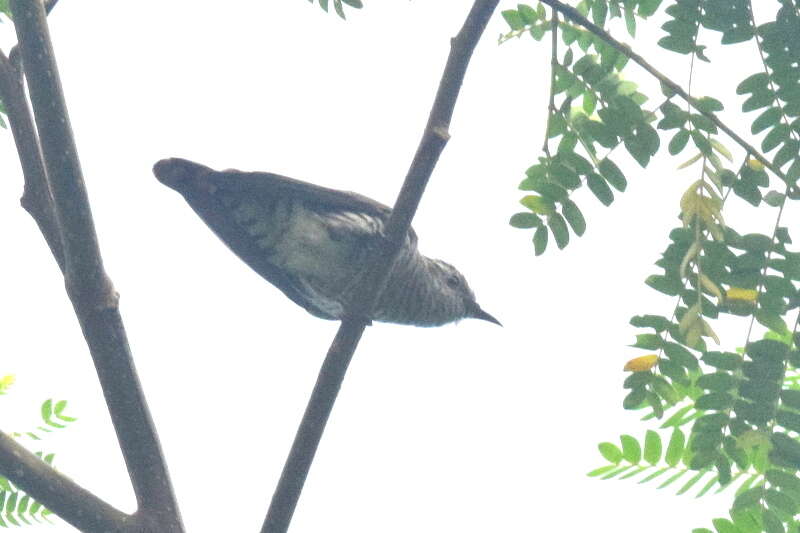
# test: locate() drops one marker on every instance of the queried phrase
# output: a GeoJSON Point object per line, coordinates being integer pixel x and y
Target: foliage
{"type": "Point", "coordinates": [734, 413]}
{"type": "Point", "coordinates": [338, 7]}
{"type": "Point", "coordinates": [16, 507]}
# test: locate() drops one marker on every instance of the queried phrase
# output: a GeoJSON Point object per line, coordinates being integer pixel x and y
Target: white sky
{"type": "Point", "coordinates": [468, 427]}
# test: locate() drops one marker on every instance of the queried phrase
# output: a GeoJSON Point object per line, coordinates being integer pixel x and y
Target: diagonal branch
{"type": "Point", "coordinates": [434, 139]}
{"type": "Point", "coordinates": [66, 498]}
{"type": "Point", "coordinates": [572, 14]}
{"type": "Point", "coordinates": [92, 296]}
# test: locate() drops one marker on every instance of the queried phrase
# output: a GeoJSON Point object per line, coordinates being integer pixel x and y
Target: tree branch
{"type": "Point", "coordinates": [13, 55]}
{"type": "Point", "coordinates": [36, 197]}
{"type": "Point", "coordinates": [66, 498]}
{"type": "Point", "coordinates": [91, 293]}
{"type": "Point", "coordinates": [572, 14]}
{"type": "Point", "coordinates": [434, 139]}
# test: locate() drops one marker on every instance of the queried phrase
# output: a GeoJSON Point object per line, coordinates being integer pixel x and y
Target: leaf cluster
{"type": "Point", "coordinates": [734, 413]}
{"type": "Point", "coordinates": [16, 507]}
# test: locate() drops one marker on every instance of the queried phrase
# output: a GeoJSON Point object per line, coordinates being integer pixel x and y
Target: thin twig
{"type": "Point", "coordinates": [333, 369]}
{"type": "Point", "coordinates": [572, 14]}
{"type": "Point", "coordinates": [36, 197]}
{"type": "Point", "coordinates": [551, 106]}
{"type": "Point", "coordinates": [89, 289]}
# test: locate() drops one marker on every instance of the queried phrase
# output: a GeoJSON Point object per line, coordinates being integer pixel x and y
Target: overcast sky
{"type": "Point", "coordinates": [468, 427]}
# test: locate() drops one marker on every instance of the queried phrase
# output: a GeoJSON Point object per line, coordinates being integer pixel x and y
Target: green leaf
{"type": "Point", "coordinates": [631, 450]}
{"type": "Point", "coordinates": [600, 132]}
{"type": "Point", "coordinates": [513, 19]}
{"type": "Point", "coordinates": [767, 119]}
{"type": "Point", "coordinates": [525, 220]}
{"type": "Point", "coordinates": [567, 144]}
{"type": "Point", "coordinates": [701, 141]}
{"type": "Point", "coordinates": [756, 242]}
{"type": "Point", "coordinates": [788, 483]}
{"type": "Point", "coordinates": [791, 398]}
{"type": "Point", "coordinates": [749, 498]}
{"type": "Point", "coordinates": [337, 6]}
{"type": "Point", "coordinates": [610, 452]}
{"type": "Point", "coordinates": [774, 198]}
{"type": "Point", "coordinates": [681, 355]}
{"type": "Point", "coordinates": [786, 448]}
{"type": "Point", "coordinates": [47, 410]}
{"type": "Point", "coordinates": [752, 83]}
{"type": "Point", "coordinates": [630, 21]}
{"type": "Point", "coordinates": [718, 381]}
{"type": "Point", "coordinates": [776, 136]}
{"type": "Point", "coordinates": [527, 13]}
{"type": "Point", "coordinates": [599, 12]}
{"type": "Point", "coordinates": [612, 174]}
{"type": "Point", "coordinates": [642, 144]}
{"type": "Point", "coordinates": [652, 447]}
{"type": "Point", "coordinates": [559, 228]}
{"type": "Point", "coordinates": [602, 470]}
{"type": "Point", "coordinates": [574, 217]}
{"type": "Point", "coordinates": [648, 341]}
{"type": "Point", "coordinates": [540, 240]}
{"type": "Point", "coordinates": [708, 104]}
{"type": "Point", "coordinates": [564, 175]}
{"type": "Point", "coordinates": [675, 448]}
{"type": "Point", "coordinates": [701, 122]}
{"type": "Point", "coordinates": [678, 142]}
{"type": "Point", "coordinates": [772, 524]}
{"type": "Point", "coordinates": [654, 475]}
{"type": "Point", "coordinates": [648, 7]}
{"type": "Point", "coordinates": [772, 321]}
{"type": "Point", "coordinates": [668, 286]}
{"type": "Point", "coordinates": [626, 88]}
{"type": "Point", "coordinates": [600, 188]}
{"type": "Point", "coordinates": [723, 525]}
{"type": "Point", "coordinates": [589, 102]}
{"type": "Point", "coordinates": [788, 420]}
{"type": "Point", "coordinates": [676, 44]}
{"type": "Point", "coordinates": [758, 100]}
{"type": "Point", "coordinates": [714, 400]}
{"type": "Point", "coordinates": [538, 204]}
{"type": "Point", "coordinates": [658, 323]}
{"type": "Point", "coordinates": [672, 479]}
{"type": "Point", "coordinates": [634, 398]}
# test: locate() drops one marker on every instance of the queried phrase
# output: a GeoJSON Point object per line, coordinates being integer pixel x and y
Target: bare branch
{"type": "Point", "coordinates": [434, 139]}
{"type": "Point", "coordinates": [36, 198]}
{"type": "Point", "coordinates": [572, 14]}
{"type": "Point", "coordinates": [88, 286]}
{"type": "Point", "coordinates": [64, 497]}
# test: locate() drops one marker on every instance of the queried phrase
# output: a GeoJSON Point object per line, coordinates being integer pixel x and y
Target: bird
{"type": "Point", "coordinates": [313, 243]}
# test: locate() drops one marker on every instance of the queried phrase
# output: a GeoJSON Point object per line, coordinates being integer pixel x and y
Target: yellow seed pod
{"type": "Point", "coordinates": [755, 164]}
{"type": "Point", "coordinates": [741, 295]}
{"type": "Point", "coordinates": [641, 364]}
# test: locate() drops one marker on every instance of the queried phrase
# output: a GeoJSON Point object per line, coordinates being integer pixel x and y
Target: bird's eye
{"type": "Point", "coordinates": [453, 282]}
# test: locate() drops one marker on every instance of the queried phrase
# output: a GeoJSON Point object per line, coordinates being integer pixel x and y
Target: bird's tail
{"type": "Point", "coordinates": [175, 171]}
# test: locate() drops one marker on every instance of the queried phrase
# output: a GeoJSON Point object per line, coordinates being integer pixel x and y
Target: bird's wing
{"type": "Point", "coordinates": [198, 185]}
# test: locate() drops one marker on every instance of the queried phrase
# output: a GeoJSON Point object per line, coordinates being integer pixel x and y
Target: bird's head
{"type": "Point", "coordinates": [453, 284]}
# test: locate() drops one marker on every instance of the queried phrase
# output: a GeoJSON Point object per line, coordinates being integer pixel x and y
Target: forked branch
{"type": "Point", "coordinates": [54, 184]}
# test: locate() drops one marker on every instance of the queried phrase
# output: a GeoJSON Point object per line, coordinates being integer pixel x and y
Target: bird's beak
{"type": "Point", "coordinates": [480, 314]}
